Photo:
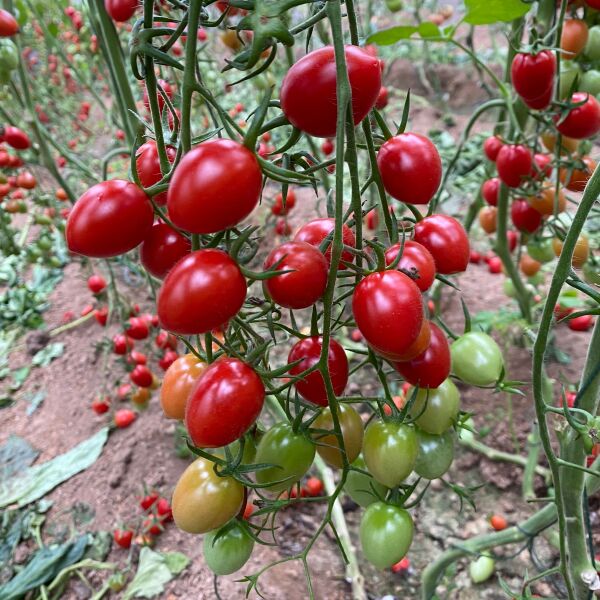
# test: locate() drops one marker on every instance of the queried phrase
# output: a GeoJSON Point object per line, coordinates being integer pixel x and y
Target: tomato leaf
{"type": "Point", "coordinates": [45, 356]}
{"type": "Point", "coordinates": [386, 37]}
{"type": "Point", "coordinates": [486, 12]}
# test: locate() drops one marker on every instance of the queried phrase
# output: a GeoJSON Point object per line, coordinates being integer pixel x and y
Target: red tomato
{"type": "Point", "coordinates": [121, 10]}
{"type": "Point", "coordinates": [388, 310]}
{"type": "Point", "coordinates": [224, 403]}
{"type": "Point", "coordinates": [410, 167]}
{"type": "Point", "coordinates": [541, 102]}
{"type": "Point", "coordinates": [166, 340]}
{"type": "Point", "coordinates": [101, 315]}
{"type": "Point", "coordinates": [137, 358]}
{"type": "Point", "coordinates": [542, 166]}
{"type": "Point", "coordinates": [308, 92]}
{"type": "Point", "coordinates": [168, 358]}
{"type": "Point", "coordinates": [111, 218]}
{"type": "Point", "coordinates": [582, 323]}
{"type": "Point", "coordinates": [582, 121]}
{"type": "Point", "coordinates": [96, 284]}
{"type": "Point", "coordinates": [121, 344]}
{"type": "Point", "coordinates": [149, 500]}
{"type": "Point", "coordinates": [315, 231]}
{"type": "Point", "coordinates": [492, 146]}
{"type": "Point", "coordinates": [124, 417]}
{"type": "Point", "coordinates": [141, 376]}
{"type": "Point", "coordinates": [16, 138]}
{"type": "Point", "coordinates": [431, 368]}
{"type": "Point", "coordinates": [314, 487]}
{"type": "Point", "coordinates": [201, 292]}
{"type": "Point", "coordinates": [327, 147]}
{"type": "Point", "coordinates": [148, 166]}
{"type": "Point", "coordinates": [524, 217]}
{"type": "Point", "coordinates": [495, 265]}
{"type": "Point", "coordinates": [533, 74]}
{"type": "Point", "coordinates": [26, 180]}
{"type": "Point", "coordinates": [215, 186]}
{"type": "Point", "coordinates": [278, 209]}
{"type": "Point", "coordinates": [514, 162]}
{"type": "Point", "coordinates": [123, 537]}
{"type": "Point", "coordinates": [512, 238]}
{"type": "Point", "coordinates": [475, 257]}
{"type": "Point", "coordinates": [101, 405]}
{"type": "Point", "coordinates": [162, 248]}
{"type": "Point", "coordinates": [446, 240]}
{"type": "Point", "coordinates": [498, 522]}
{"type": "Point", "coordinates": [164, 510]}
{"type": "Point", "coordinates": [382, 98]}
{"type": "Point", "coordinates": [490, 190]}
{"type": "Point", "coordinates": [282, 227]}
{"type": "Point", "coordinates": [417, 262]}
{"type": "Point", "coordinates": [8, 24]}
{"type": "Point", "coordinates": [312, 386]}
{"type": "Point", "coordinates": [138, 328]}
{"type": "Point", "coordinates": [307, 281]}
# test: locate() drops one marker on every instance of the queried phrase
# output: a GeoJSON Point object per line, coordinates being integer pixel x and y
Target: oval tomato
{"type": "Point", "coordinates": [16, 138]}
{"type": "Point", "coordinates": [488, 218]}
{"type": "Point", "coordinates": [582, 323]}
{"type": "Point", "coordinates": [573, 38]}
{"type": "Point", "coordinates": [148, 166]}
{"type": "Point", "coordinates": [436, 453]}
{"type": "Point", "coordinates": [228, 549]}
{"type": "Point", "coordinates": [524, 217]}
{"type": "Point", "coordinates": [278, 208]}
{"type": "Point", "coordinates": [328, 446]}
{"type": "Point", "coordinates": [490, 190]}
{"type": "Point", "coordinates": [111, 218]}
{"type": "Point", "coordinates": [529, 266]}
{"type": "Point", "coordinates": [576, 179]}
{"type": "Point", "coordinates": [514, 163]}
{"type": "Point", "coordinates": [121, 10]}
{"type": "Point", "coordinates": [533, 74]}
{"type": "Point", "coordinates": [436, 410]}
{"type": "Point", "coordinates": [547, 202]}
{"type": "Point", "coordinates": [201, 292]}
{"type": "Point", "coordinates": [582, 121]}
{"type": "Point", "coordinates": [162, 248]}
{"type": "Point", "coordinates": [416, 262]}
{"type": "Point", "coordinates": [362, 487]}
{"type": "Point", "coordinates": [8, 24]}
{"type": "Point", "coordinates": [477, 359]}
{"type": "Point", "coordinates": [492, 146]}
{"type": "Point", "coordinates": [315, 231]}
{"type": "Point", "coordinates": [178, 383]}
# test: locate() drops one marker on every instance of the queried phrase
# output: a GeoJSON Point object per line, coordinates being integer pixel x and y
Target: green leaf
{"type": "Point", "coordinates": [155, 569]}
{"type": "Point", "coordinates": [53, 29]}
{"type": "Point", "coordinates": [19, 376]}
{"type": "Point", "coordinates": [38, 480]}
{"type": "Point", "coordinates": [486, 12]}
{"type": "Point", "coordinates": [386, 37]}
{"type": "Point", "coordinates": [46, 355]}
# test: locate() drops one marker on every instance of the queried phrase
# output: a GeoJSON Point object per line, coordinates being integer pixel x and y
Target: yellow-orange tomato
{"type": "Point", "coordinates": [529, 266]}
{"type": "Point", "coordinates": [230, 39]}
{"type": "Point", "coordinates": [141, 396]}
{"type": "Point", "coordinates": [155, 382]}
{"type": "Point", "coordinates": [567, 145]}
{"type": "Point", "coordinates": [578, 178]}
{"type": "Point", "coordinates": [580, 254]}
{"type": "Point", "coordinates": [544, 201]}
{"type": "Point", "coordinates": [61, 195]}
{"type": "Point", "coordinates": [178, 383]}
{"type": "Point", "coordinates": [574, 38]}
{"type": "Point", "coordinates": [488, 218]}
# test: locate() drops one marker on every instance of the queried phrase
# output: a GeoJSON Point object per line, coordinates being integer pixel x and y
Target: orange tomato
{"type": "Point", "coordinates": [544, 201]}
{"type": "Point", "coordinates": [574, 38]}
{"type": "Point", "coordinates": [580, 254]}
{"type": "Point", "coordinates": [578, 178]}
{"type": "Point", "coordinates": [529, 266]}
{"type": "Point", "coordinates": [61, 195]}
{"type": "Point", "coordinates": [568, 145]}
{"type": "Point", "coordinates": [488, 218]}
{"type": "Point", "coordinates": [141, 396]}
{"type": "Point", "coordinates": [178, 382]}
{"type": "Point", "coordinates": [230, 38]}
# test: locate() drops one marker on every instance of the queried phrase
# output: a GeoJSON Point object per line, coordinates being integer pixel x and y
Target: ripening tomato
{"type": "Point", "coordinates": [492, 146]}
{"type": "Point", "coordinates": [306, 282]}
{"type": "Point", "coordinates": [410, 167]}
{"type": "Point", "coordinates": [312, 386]}
{"type": "Point", "coordinates": [121, 10]}
{"type": "Point", "coordinates": [524, 217]}
{"type": "Point", "coordinates": [388, 310]}
{"type": "Point", "coordinates": [436, 410]}
{"type": "Point", "coordinates": [227, 550]}
{"type": "Point", "coordinates": [386, 533]}
{"type": "Point", "coordinates": [533, 74]}
{"type": "Point", "coordinates": [148, 166]}
{"type": "Point", "coordinates": [582, 121]}
{"type": "Point", "coordinates": [576, 178]}
{"type": "Point", "coordinates": [416, 262]}
{"type": "Point", "coordinates": [490, 190]}
{"type": "Point", "coordinates": [529, 266]}
{"type": "Point", "coordinates": [308, 91]}
{"type": "Point", "coordinates": [278, 208]}
{"type": "Point", "coordinates": [215, 186]}
{"type": "Point", "coordinates": [202, 500]}
{"type": "Point", "coordinates": [224, 403]}
{"type": "Point", "coordinates": [201, 292]}
{"type": "Point", "coordinates": [177, 385]}
{"type": "Point", "coordinates": [291, 452]}
{"type": "Point", "coordinates": [573, 39]}
{"type": "Point", "coordinates": [315, 231]}
{"type": "Point", "coordinates": [514, 163]}
{"type": "Point", "coordinates": [328, 446]}
{"type": "Point", "coordinates": [16, 138]}
{"type": "Point", "coordinates": [447, 241]}
{"type": "Point", "coordinates": [390, 450]}
{"type": "Point", "coordinates": [477, 359]}
{"type": "Point", "coordinates": [8, 24]}
{"type": "Point", "coordinates": [488, 218]}
{"type": "Point", "coordinates": [111, 218]}
{"type": "Point", "coordinates": [26, 180]}
{"type": "Point", "coordinates": [567, 145]}
{"type": "Point", "coordinates": [581, 251]}
{"type": "Point", "coordinates": [431, 368]}
{"type": "Point", "coordinates": [548, 202]}
{"type": "Point", "coordinates": [416, 348]}
{"type": "Point", "coordinates": [162, 248]}
{"type": "Point", "coordinates": [436, 453]}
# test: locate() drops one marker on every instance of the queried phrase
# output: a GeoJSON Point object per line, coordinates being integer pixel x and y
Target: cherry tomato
{"type": "Point", "coordinates": [490, 190]}
{"type": "Point", "coordinates": [382, 98]}
{"type": "Point", "coordinates": [377, 304]}
{"type": "Point", "coordinates": [314, 487]}
{"type": "Point", "coordinates": [308, 92]}
{"type": "Point", "coordinates": [96, 284]}
{"type": "Point", "coordinates": [498, 522]}
{"type": "Point", "coordinates": [567, 145]}
{"type": "Point", "coordinates": [148, 166]}
{"type": "Point", "coordinates": [533, 74]}
{"type": "Point", "coordinates": [306, 282]}
{"type": "Point", "coordinates": [8, 24]}
{"type": "Point", "coordinates": [26, 180]}
{"type": "Point", "coordinates": [488, 218]}
{"type": "Point", "coordinates": [315, 231]}
{"type": "Point", "coordinates": [514, 162]}
{"type": "Point", "coordinates": [574, 37]}
{"type": "Point", "coordinates": [529, 266]}
{"type": "Point", "coordinates": [581, 251]}
{"type": "Point", "coordinates": [524, 217]}
{"type": "Point", "coordinates": [492, 146]}
{"type": "Point", "coordinates": [542, 166]}
{"type": "Point", "coordinates": [390, 450]}
{"type": "Point", "coordinates": [327, 147]}
{"type": "Point", "coordinates": [447, 241]}
{"type": "Point", "coordinates": [121, 10]}
{"type": "Point", "coordinates": [583, 323]}
{"type": "Point", "coordinates": [416, 348]}
{"type": "Point", "coordinates": [202, 500]}
{"type": "Point", "coordinates": [201, 292]}
{"type": "Point", "coordinates": [101, 405]}
{"type": "Point", "coordinates": [544, 202]}
{"type": "Point", "coordinates": [111, 218]}
{"type": "Point", "coordinates": [436, 410]}
{"type": "Point", "coordinates": [137, 328]}
{"type": "Point", "coordinates": [121, 344]}
{"type": "Point", "coordinates": [215, 186]}
{"type": "Point", "coordinates": [576, 179]}
{"type": "Point", "coordinates": [312, 386]}
{"type": "Point", "coordinates": [123, 537]}
{"type": "Point", "coordinates": [540, 250]}
{"type": "Point", "coordinates": [227, 549]}
{"type": "Point", "coordinates": [352, 432]}
{"type": "Point", "coordinates": [177, 385]}
{"type": "Point", "coordinates": [476, 359]}
{"type": "Point", "coordinates": [541, 102]}
{"type": "Point", "coordinates": [582, 121]}
{"type": "Point", "coordinates": [410, 167]}
{"type": "Point", "coordinates": [141, 376]}
{"type": "Point", "coordinates": [416, 262]}
{"type": "Point", "coordinates": [16, 138]}
{"type": "Point", "coordinates": [124, 418]}
{"type": "Point", "coordinates": [386, 533]}
{"type": "Point", "coordinates": [278, 208]}
{"type": "Point", "coordinates": [162, 248]}
{"type": "Point", "coordinates": [361, 487]}
{"type": "Point", "coordinates": [436, 453]}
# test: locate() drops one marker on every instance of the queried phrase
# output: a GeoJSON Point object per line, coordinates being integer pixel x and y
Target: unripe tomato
{"type": "Point", "coordinates": [417, 262]}
{"type": "Point", "coordinates": [177, 385]}
{"type": "Point", "coordinates": [590, 82]}
{"type": "Point", "coordinates": [533, 74]}
{"type": "Point", "coordinates": [488, 218]}
{"type": "Point", "coordinates": [202, 500]}
{"type": "Point", "coordinates": [580, 254]}
{"type": "Point", "coordinates": [436, 410]}
{"type": "Point", "coordinates": [524, 217]}
{"type": "Point", "coordinates": [567, 146]}
{"type": "Point", "coordinates": [492, 146]}
{"type": "Point", "coordinates": [574, 38]}
{"type": "Point", "coordinates": [361, 487]}
{"type": "Point", "coordinates": [162, 248]}
{"type": "Point", "coordinates": [436, 453]}
{"type": "Point", "coordinates": [592, 48]}
{"type": "Point", "coordinates": [148, 166]}
{"type": "Point", "coordinates": [476, 359]}
{"type": "Point", "coordinates": [582, 121]}
{"type": "Point", "coordinates": [548, 202]}
{"type": "Point", "coordinates": [591, 272]}
{"type": "Point", "coordinates": [490, 190]}
{"type": "Point", "coordinates": [228, 549]}
{"type": "Point", "coordinates": [328, 446]}
{"type": "Point", "coordinates": [315, 231]}
{"type": "Point", "coordinates": [529, 266]}
{"type": "Point", "coordinates": [540, 250]}
{"type": "Point", "coordinates": [514, 163]}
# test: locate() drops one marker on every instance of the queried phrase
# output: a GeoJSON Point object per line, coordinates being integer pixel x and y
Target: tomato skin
{"type": "Point", "coordinates": [148, 166]}
{"type": "Point", "coordinates": [228, 549]}
{"type": "Point", "coordinates": [573, 39]}
{"type": "Point", "coordinates": [352, 428]}
{"type": "Point", "coordinates": [431, 368]}
{"type": "Point", "coordinates": [386, 533]}
{"type": "Point", "coordinates": [524, 217]}
{"type": "Point", "coordinates": [583, 323]}
{"type": "Point", "coordinates": [514, 162]}
{"type": "Point", "coordinates": [363, 488]}
{"type": "Point", "coordinates": [8, 24]}
{"type": "Point", "coordinates": [306, 284]}
{"type": "Point", "coordinates": [390, 450]}
{"type": "Point", "coordinates": [201, 292]}
{"type": "Point", "coordinates": [477, 359]}
{"type": "Point", "coordinates": [410, 167]}
{"type": "Point", "coordinates": [178, 383]}
{"type": "Point", "coordinates": [377, 302]}
{"type": "Point", "coordinates": [315, 231]}
{"type": "Point", "coordinates": [111, 218]}
{"type": "Point", "coordinates": [582, 121]}
{"type": "Point", "coordinates": [436, 453]}
{"type": "Point", "coordinates": [162, 248]}
{"type": "Point", "coordinates": [203, 501]}
{"type": "Point", "coordinates": [312, 386]}
{"type": "Point", "coordinates": [416, 260]}
{"type": "Point", "coordinates": [208, 192]}
{"type": "Point", "coordinates": [492, 146]}
{"type": "Point", "coordinates": [224, 403]}
{"type": "Point", "coordinates": [293, 453]}
{"type": "Point", "coordinates": [446, 240]}
{"type": "Point", "coordinates": [121, 10]}
{"type": "Point", "coordinates": [533, 74]}
{"type": "Point", "coordinates": [490, 190]}
{"type": "Point", "coordinates": [438, 408]}
{"type": "Point", "coordinates": [308, 91]}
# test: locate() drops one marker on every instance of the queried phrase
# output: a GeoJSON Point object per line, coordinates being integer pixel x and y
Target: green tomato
{"type": "Point", "coordinates": [436, 410]}
{"type": "Point", "coordinates": [536, 279]}
{"type": "Point", "coordinates": [390, 451]}
{"type": "Point", "coordinates": [509, 288]}
{"type": "Point", "coordinates": [228, 549]}
{"type": "Point", "coordinates": [436, 453]}
{"type": "Point", "coordinates": [386, 533]}
{"type": "Point", "coordinates": [590, 82]}
{"type": "Point", "coordinates": [363, 489]}
{"type": "Point", "coordinates": [9, 55]}
{"type": "Point", "coordinates": [293, 453]}
{"type": "Point", "coordinates": [481, 569]}
{"type": "Point", "coordinates": [541, 250]}
{"type": "Point", "coordinates": [592, 48]}
{"type": "Point", "coordinates": [394, 5]}
{"type": "Point", "coordinates": [476, 359]}
{"type": "Point", "coordinates": [591, 273]}
{"type": "Point", "coordinates": [4, 77]}
{"type": "Point", "coordinates": [568, 73]}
